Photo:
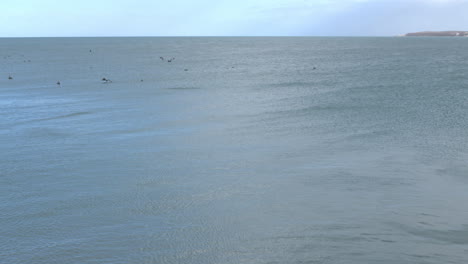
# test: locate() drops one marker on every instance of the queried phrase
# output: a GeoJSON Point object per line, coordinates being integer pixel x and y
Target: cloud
{"type": "Point", "coordinates": [227, 17]}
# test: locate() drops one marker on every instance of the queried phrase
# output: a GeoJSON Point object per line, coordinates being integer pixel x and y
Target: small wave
{"type": "Point", "coordinates": [370, 134]}
{"type": "Point", "coordinates": [452, 236]}
{"type": "Point", "coordinates": [45, 132]}
{"type": "Point", "coordinates": [313, 109]}
{"type": "Point", "coordinates": [51, 118]}
{"type": "Point", "coordinates": [134, 131]}
{"type": "Point", "coordinates": [292, 84]}
{"type": "Point", "coordinates": [183, 88]}
{"type": "Point", "coordinates": [61, 116]}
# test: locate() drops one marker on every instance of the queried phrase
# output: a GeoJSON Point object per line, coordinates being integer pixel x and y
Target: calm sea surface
{"type": "Point", "coordinates": [240, 150]}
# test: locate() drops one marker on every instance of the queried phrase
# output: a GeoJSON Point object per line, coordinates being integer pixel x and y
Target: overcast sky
{"type": "Point", "coordinates": [22, 18]}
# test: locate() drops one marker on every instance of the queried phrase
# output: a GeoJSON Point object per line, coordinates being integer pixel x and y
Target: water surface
{"type": "Point", "coordinates": [241, 150]}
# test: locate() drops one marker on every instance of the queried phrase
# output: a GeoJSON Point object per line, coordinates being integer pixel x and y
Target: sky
{"type": "Point", "coordinates": [61, 18]}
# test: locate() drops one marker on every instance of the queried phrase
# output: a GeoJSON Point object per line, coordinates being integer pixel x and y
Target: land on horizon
{"type": "Point", "coordinates": [438, 34]}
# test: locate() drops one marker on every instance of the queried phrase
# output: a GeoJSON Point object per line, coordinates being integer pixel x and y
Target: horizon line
{"type": "Point", "coordinates": [202, 36]}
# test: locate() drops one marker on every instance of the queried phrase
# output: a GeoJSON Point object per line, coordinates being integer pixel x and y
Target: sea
{"type": "Point", "coordinates": [255, 150]}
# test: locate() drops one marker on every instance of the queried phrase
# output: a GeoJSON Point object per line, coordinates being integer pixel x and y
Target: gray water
{"type": "Point", "coordinates": [237, 151]}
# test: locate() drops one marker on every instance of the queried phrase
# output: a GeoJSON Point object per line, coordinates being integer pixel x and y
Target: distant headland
{"type": "Point", "coordinates": [438, 34]}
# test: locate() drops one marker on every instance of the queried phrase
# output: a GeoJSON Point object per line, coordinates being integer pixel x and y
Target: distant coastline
{"type": "Point", "coordinates": [438, 34]}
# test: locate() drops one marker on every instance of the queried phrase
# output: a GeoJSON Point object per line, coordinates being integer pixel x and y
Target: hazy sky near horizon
{"type": "Point", "coordinates": [35, 18]}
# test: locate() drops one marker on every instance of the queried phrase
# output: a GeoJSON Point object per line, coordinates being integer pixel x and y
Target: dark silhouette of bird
{"type": "Point", "coordinates": [58, 83]}
{"type": "Point", "coordinates": [171, 60]}
{"type": "Point", "coordinates": [162, 58]}
{"type": "Point", "coordinates": [105, 80]}
{"type": "Point", "coordinates": [10, 78]}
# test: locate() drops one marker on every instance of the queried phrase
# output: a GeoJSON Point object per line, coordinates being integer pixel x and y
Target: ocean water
{"type": "Point", "coordinates": [240, 150]}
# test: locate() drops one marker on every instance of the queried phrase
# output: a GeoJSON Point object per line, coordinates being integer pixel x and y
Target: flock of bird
{"type": "Point", "coordinates": [104, 79]}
